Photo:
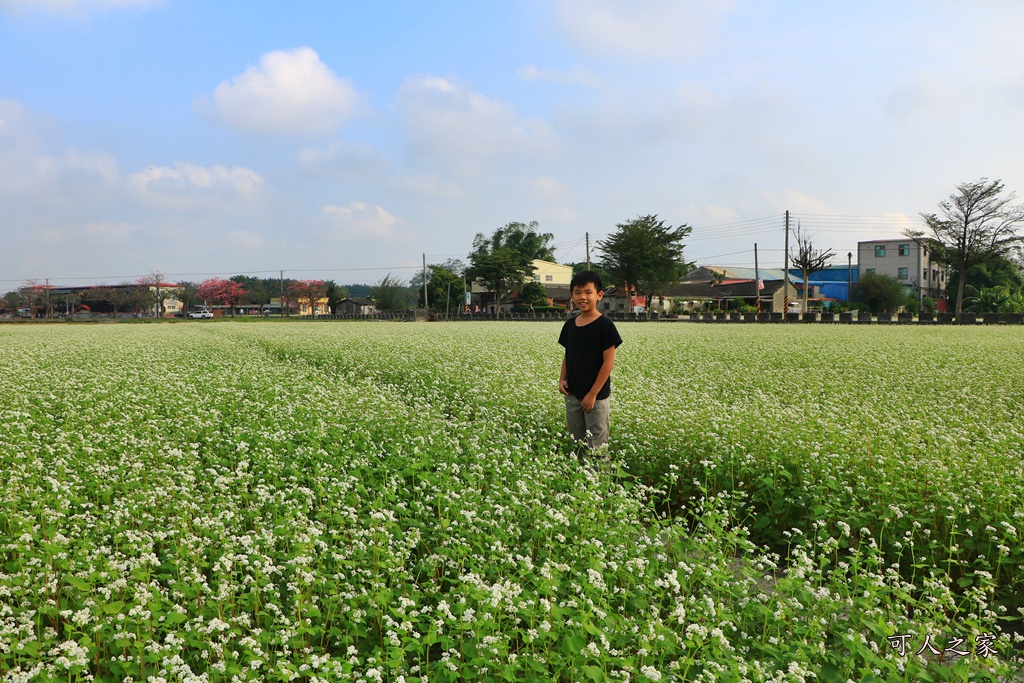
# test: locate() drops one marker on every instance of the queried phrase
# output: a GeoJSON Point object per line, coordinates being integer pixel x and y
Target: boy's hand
{"type": "Point", "coordinates": [588, 402]}
{"type": "Point", "coordinates": [563, 386]}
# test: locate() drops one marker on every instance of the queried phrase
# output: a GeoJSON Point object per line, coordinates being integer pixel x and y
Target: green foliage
{"type": "Point", "coordinates": [993, 300]}
{"type": "Point", "coordinates": [259, 291]}
{"type": "Point", "coordinates": [1000, 271]}
{"type": "Point", "coordinates": [445, 290]}
{"type": "Point", "coordinates": [974, 226]}
{"type": "Point", "coordinates": [645, 254]}
{"type": "Point", "coordinates": [504, 261]}
{"type": "Point", "coordinates": [334, 293]}
{"type": "Point", "coordinates": [606, 278]}
{"type": "Point", "coordinates": [882, 293]}
{"type": "Point", "coordinates": [390, 293]}
{"type": "Point", "coordinates": [532, 292]}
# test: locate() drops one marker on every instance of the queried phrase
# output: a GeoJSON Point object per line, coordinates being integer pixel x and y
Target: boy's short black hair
{"type": "Point", "coordinates": [585, 278]}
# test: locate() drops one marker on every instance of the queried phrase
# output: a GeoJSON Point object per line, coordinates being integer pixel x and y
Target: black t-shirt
{"type": "Point", "coordinates": [584, 353]}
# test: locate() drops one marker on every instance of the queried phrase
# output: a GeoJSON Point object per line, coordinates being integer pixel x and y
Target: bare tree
{"type": "Point", "coordinates": [976, 225]}
{"type": "Point", "coordinates": [152, 295]}
{"type": "Point", "coordinates": [808, 259]}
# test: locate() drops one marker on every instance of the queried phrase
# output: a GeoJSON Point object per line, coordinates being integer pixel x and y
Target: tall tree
{"type": "Point", "coordinates": [308, 292]}
{"type": "Point", "coordinates": [12, 301]}
{"type": "Point", "coordinates": [224, 292]}
{"type": "Point", "coordinates": [334, 293]}
{"type": "Point", "coordinates": [152, 291]}
{"type": "Point", "coordinates": [35, 296]}
{"type": "Point", "coordinates": [114, 296]}
{"type": "Point", "coordinates": [256, 290]}
{"type": "Point", "coordinates": [645, 255]}
{"type": "Point", "coordinates": [808, 259]}
{"type": "Point", "coordinates": [444, 289]}
{"type": "Point", "coordinates": [389, 293]}
{"type": "Point", "coordinates": [973, 226]}
{"type": "Point", "coordinates": [187, 293]}
{"type": "Point", "coordinates": [505, 259]}
{"type": "Point", "coordinates": [578, 268]}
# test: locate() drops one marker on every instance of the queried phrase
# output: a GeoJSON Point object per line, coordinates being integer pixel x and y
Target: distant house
{"type": "Point", "coordinates": [554, 277]}
{"type": "Point", "coordinates": [355, 305]}
{"type": "Point", "coordinates": [769, 297]}
{"type": "Point", "coordinates": [125, 296]}
{"type": "Point", "coordinates": [320, 308]}
{"type": "Point", "coordinates": [617, 300]}
{"type": "Point", "coordinates": [907, 261]}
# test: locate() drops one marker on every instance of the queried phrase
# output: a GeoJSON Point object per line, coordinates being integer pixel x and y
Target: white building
{"type": "Point", "coordinates": [907, 261]}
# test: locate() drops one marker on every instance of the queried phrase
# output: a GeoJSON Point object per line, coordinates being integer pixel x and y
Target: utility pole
{"type": "Point", "coordinates": [757, 280]}
{"type": "Point", "coordinates": [426, 304]}
{"type": "Point", "coordinates": [47, 297]}
{"type": "Point", "coordinates": [849, 277]}
{"type": "Point", "coordinates": [785, 272]}
{"type": "Point", "coordinates": [282, 293]}
{"type": "Point", "coordinates": [588, 249]}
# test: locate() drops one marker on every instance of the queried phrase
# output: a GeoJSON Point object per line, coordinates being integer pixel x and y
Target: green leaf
{"type": "Point", "coordinates": [594, 673]}
{"type": "Point", "coordinates": [79, 583]}
{"type": "Point", "coordinates": [113, 607]}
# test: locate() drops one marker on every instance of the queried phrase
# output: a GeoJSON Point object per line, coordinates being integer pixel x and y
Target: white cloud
{"type": "Point", "coordinates": [360, 220]}
{"type": "Point", "coordinates": [76, 8]}
{"type": "Point", "coordinates": [343, 158]}
{"type": "Point", "coordinates": [431, 187]}
{"type": "Point", "coordinates": [101, 164]}
{"type": "Point", "coordinates": [575, 75]}
{"type": "Point", "coordinates": [291, 92]}
{"type": "Point", "coordinates": [109, 231]}
{"type": "Point", "coordinates": [453, 124]}
{"type": "Point", "coordinates": [546, 187]}
{"type": "Point", "coordinates": [922, 94]}
{"type": "Point", "coordinates": [187, 185]}
{"type": "Point", "coordinates": [797, 203]}
{"type": "Point", "coordinates": [646, 29]}
{"type": "Point", "coordinates": [246, 239]}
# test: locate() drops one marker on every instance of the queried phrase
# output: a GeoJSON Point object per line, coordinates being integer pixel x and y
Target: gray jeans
{"type": "Point", "coordinates": [581, 423]}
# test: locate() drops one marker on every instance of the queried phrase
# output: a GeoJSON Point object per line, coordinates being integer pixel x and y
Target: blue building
{"type": "Point", "coordinates": [834, 282]}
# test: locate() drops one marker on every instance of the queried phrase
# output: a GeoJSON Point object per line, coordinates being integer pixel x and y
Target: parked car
{"type": "Point", "coordinates": [200, 314]}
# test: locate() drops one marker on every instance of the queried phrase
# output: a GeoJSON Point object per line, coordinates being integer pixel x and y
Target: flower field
{"type": "Point", "coordinates": [283, 501]}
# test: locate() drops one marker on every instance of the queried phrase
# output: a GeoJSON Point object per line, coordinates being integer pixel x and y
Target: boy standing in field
{"type": "Point", "coordinates": [590, 340]}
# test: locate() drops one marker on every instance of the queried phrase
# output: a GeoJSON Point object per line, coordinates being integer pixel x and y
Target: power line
{"type": "Point", "coordinates": [104, 278]}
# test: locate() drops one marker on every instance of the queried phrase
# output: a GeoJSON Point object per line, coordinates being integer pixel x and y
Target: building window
{"type": "Point", "coordinates": [903, 273]}
{"type": "Point", "coordinates": [870, 270]}
{"type": "Point", "coordinates": [536, 277]}
{"type": "Point", "coordinates": [879, 250]}
{"type": "Point", "coordinates": [935, 275]}
{"type": "Point", "coordinates": [904, 250]}
{"type": "Point", "coordinates": [924, 275]}
{"type": "Point", "coordinates": [548, 278]}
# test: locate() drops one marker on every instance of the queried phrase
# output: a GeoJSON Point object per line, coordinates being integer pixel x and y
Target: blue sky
{"type": "Point", "coordinates": [344, 140]}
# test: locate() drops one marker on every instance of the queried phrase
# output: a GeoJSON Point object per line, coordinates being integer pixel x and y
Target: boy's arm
{"type": "Point", "coordinates": [602, 376]}
{"type": "Point", "coordinates": [563, 382]}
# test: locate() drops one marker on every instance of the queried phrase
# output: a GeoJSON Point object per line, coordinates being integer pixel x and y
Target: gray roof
{"type": "Point", "coordinates": [705, 273]}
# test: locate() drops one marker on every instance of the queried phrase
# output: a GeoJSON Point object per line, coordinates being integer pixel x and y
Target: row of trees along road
{"type": "Point", "coordinates": [642, 256]}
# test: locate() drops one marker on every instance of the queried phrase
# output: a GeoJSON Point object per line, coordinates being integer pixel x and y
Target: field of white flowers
{"type": "Point", "coordinates": [397, 502]}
